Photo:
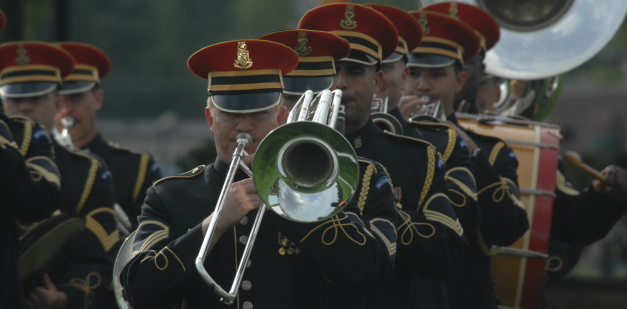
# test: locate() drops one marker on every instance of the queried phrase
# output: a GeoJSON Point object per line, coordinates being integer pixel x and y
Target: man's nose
{"type": "Point", "coordinates": [339, 80]}
{"type": "Point", "coordinates": [423, 84]}
{"type": "Point", "coordinates": [245, 124]}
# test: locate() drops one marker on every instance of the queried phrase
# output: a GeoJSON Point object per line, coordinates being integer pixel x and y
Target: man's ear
{"type": "Point", "coordinates": [461, 79]}
{"type": "Point", "coordinates": [378, 81]}
{"type": "Point", "coordinates": [404, 78]}
{"type": "Point", "coordinates": [99, 95]}
{"type": "Point", "coordinates": [209, 118]}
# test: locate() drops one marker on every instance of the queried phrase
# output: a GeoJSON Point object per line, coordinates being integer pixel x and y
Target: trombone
{"type": "Point", "coordinates": [315, 167]}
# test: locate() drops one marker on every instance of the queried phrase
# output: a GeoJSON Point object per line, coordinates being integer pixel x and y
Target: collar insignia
{"type": "Point", "coordinates": [243, 60]}
{"type": "Point", "coordinates": [303, 48]}
{"type": "Point", "coordinates": [452, 10]}
{"type": "Point", "coordinates": [424, 24]}
{"type": "Point", "coordinates": [22, 57]}
{"type": "Point", "coordinates": [357, 142]}
{"type": "Point", "coordinates": [349, 22]}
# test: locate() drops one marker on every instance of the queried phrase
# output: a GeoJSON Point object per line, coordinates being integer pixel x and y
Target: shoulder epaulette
{"type": "Point", "coordinates": [126, 149]}
{"type": "Point", "coordinates": [444, 129]}
{"type": "Point", "coordinates": [28, 131]}
{"type": "Point", "coordinates": [408, 138]}
{"type": "Point", "coordinates": [189, 174]}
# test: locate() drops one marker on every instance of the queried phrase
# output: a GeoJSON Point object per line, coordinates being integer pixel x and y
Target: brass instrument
{"type": "Point", "coordinates": [381, 118]}
{"type": "Point", "coordinates": [64, 138]}
{"type": "Point", "coordinates": [298, 163]}
{"type": "Point", "coordinates": [431, 112]}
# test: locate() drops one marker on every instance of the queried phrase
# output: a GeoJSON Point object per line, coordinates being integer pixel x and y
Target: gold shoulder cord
{"type": "Point", "coordinates": [141, 175]}
{"type": "Point", "coordinates": [365, 187]}
{"type": "Point", "coordinates": [28, 131]}
{"type": "Point", "coordinates": [89, 182]}
{"type": "Point", "coordinates": [451, 144]}
{"type": "Point", "coordinates": [495, 152]}
{"type": "Point", "coordinates": [429, 178]}
{"type": "Point", "coordinates": [484, 246]}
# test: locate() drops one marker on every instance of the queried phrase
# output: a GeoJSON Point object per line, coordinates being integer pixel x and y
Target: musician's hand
{"type": "Point", "coordinates": [47, 296]}
{"type": "Point", "coordinates": [241, 199]}
{"type": "Point", "coordinates": [471, 144]}
{"type": "Point", "coordinates": [248, 160]}
{"type": "Point", "coordinates": [410, 103]}
{"type": "Point", "coordinates": [615, 185]}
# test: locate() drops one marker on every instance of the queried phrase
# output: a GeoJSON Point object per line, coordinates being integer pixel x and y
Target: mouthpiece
{"type": "Point", "coordinates": [244, 138]}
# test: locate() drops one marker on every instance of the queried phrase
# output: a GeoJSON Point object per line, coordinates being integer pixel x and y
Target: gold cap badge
{"type": "Point", "coordinates": [424, 23]}
{"type": "Point", "coordinates": [452, 10]}
{"type": "Point", "coordinates": [303, 49]}
{"type": "Point", "coordinates": [22, 57]}
{"type": "Point", "coordinates": [349, 22]}
{"type": "Point", "coordinates": [243, 60]}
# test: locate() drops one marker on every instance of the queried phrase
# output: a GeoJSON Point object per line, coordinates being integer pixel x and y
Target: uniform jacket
{"type": "Point", "coordinates": [430, 237]}
{"type": "Point", "coordinates": [133, 173]}
{"type": "Point", "coordinates": [503, 221]}
{"type": "Point", "coordinates": [291, 265]}
{"type": "Point", "coordinates": [29, 185]}
{"type": "Point", "coordinates": [87, 190]}
{"type": "Point", "coordinates": [462, 193]}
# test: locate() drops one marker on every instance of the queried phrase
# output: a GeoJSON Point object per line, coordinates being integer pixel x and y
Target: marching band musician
{"type": "Point", "coordinates": [29, 185]}
{"type": "Point", "coordinates": [431, 240]}
{"type": "Point", "coordinates": [453, 148]}
{"type": "Point", "coordinates": [435, 70]}
{"type": "Point", "coordinates": [133, 171]}
{"type": "Point", "coordinates": [299, 260]}
{"type": "Point", "coordinates": [31, 75]}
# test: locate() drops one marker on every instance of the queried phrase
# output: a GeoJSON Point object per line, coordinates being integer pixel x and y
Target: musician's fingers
{"type": "Point", "coordinates": [246, 186]}
{"type": "Point", "coordinates": [248, 160]}
{"type": "Point", "coordinates": [609, 178]}
{"type": "Point", "coordinates": [48, 285]}
{"type": "Point", "coordinates": [35, 300]}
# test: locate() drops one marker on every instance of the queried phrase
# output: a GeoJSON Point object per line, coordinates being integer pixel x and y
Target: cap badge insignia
{"type": "Point", "coordinates": [452, 10]}
{"type": "Point", "coordinates": [22, 57]}
{"type": "Point", "coordinates": [357, 142]}
{"type": "Point", "coordinates": [424, 23]}
{"type": "Point", "coordinates": [243, 60]}
{"type": "Point", "coordinates": [303, 48]}
{"type": "Point", "coordinates": [349, 22]}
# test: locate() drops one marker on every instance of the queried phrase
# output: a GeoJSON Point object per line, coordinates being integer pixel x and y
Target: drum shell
{"type": "Point", "coordinates": [518, 279]}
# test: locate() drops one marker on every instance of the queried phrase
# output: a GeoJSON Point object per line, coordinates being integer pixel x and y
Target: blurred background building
{"type": "Point", "coordinates": [152, 100]}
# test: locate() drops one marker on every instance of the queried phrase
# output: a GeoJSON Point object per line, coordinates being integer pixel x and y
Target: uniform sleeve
{"type": "Point", "coordinates": [35, 183]}
{"type": "Point", "coordinates": [580, 219]}
{"type": "Point", "coordinates": [155, 277]}
{"type": "Point", "coordinates": [430, 237]}
{"type": "Point", "coordinates": [504, 218]}
{"type": "Point", "coordinates": [90, 270]}
{"type": "Point", "coordinates": [461, 185]}
{"type": "Point", "coordinates": [363, 235]}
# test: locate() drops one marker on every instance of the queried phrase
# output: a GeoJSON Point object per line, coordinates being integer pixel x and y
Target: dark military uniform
{"type": "Point", "coordinates": [87, 189]}
{"type": "Point", "coordinates": [461, 192]}
{"type": "Point", "coordinates": [431, 240]}
{"type": "Point", "coordinates": [133, 173]}
{"type": "Point", "coordinates": [291, 265]}
{"type": "Point", "coordinates": [503, 221]}
{"type": "Point", "coordinates": [29, 185]}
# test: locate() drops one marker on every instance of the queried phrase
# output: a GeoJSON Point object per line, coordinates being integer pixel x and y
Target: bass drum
{"type": "Point", "coordinates": [518, 270]}
{"type": "Point", "coordinates": [124, 255]}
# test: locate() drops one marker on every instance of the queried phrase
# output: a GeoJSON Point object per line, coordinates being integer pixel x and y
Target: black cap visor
{"type": "Point", "coordinates": [76, 87]}
{"type": "Point", "coordinates": [297, 85]}
{"type": "Point", "coordinates": [396, 56]}
{"type": "Point", "coordinates": [246, 102]}
{"type": "Point", "coordinates": [27, 89]}
{"type": "Point", "coordinates": [429, 60]}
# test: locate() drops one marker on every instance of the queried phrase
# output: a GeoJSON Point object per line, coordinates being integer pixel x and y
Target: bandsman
{"type": "Point", "coordinates": [431, 240]}
{"type": "Point", "coordinates": [133, 171]}
{"type": "Point", "coordinates": [292, 264]}
{"type": "Point", "coordinates": [31, 73]}
{"type": "Point", "coordinates": [435, 70]}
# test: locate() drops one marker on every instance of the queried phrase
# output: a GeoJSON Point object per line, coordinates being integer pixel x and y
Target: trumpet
{"type": "Point", "coordinates": [306, 172]}
{"type": "Point", "coordinates": [430, 112]}
{"type": "Point", "coordinates": [64, 138]}
{"type": "Point", "coordinates": [381, 118]}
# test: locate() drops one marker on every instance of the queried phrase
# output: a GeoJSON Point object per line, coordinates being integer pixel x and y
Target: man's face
{"type": "Point", "coordinates": [489, 93]}
{"type": "Point", "coordinates": [474, 70]}
{"type": "Point", "coordinates": [40, 108]}
{"type": "Point", "coordinates": [436, 83]}
{"type": "Point", "coordinates": [394, 78]}
{"type": "Point", "coordinates": [82, 107]}
{"type": "Point", "coordinates": [225, 126]}
{"type": "Point", "coordinates": [358, 83]}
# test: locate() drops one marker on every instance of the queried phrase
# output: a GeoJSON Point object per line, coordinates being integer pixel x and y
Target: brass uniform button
{"type": "Point", "coordinates": [243, 239]}
{"type": "Point", "coordinates": [282, 251]}
{"type": "Point", "coordinates": [290, 251]}
{"type": "Point", "coordinates": [244, 221]}
{"type": "Point", "coordinates": [298, 251]}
